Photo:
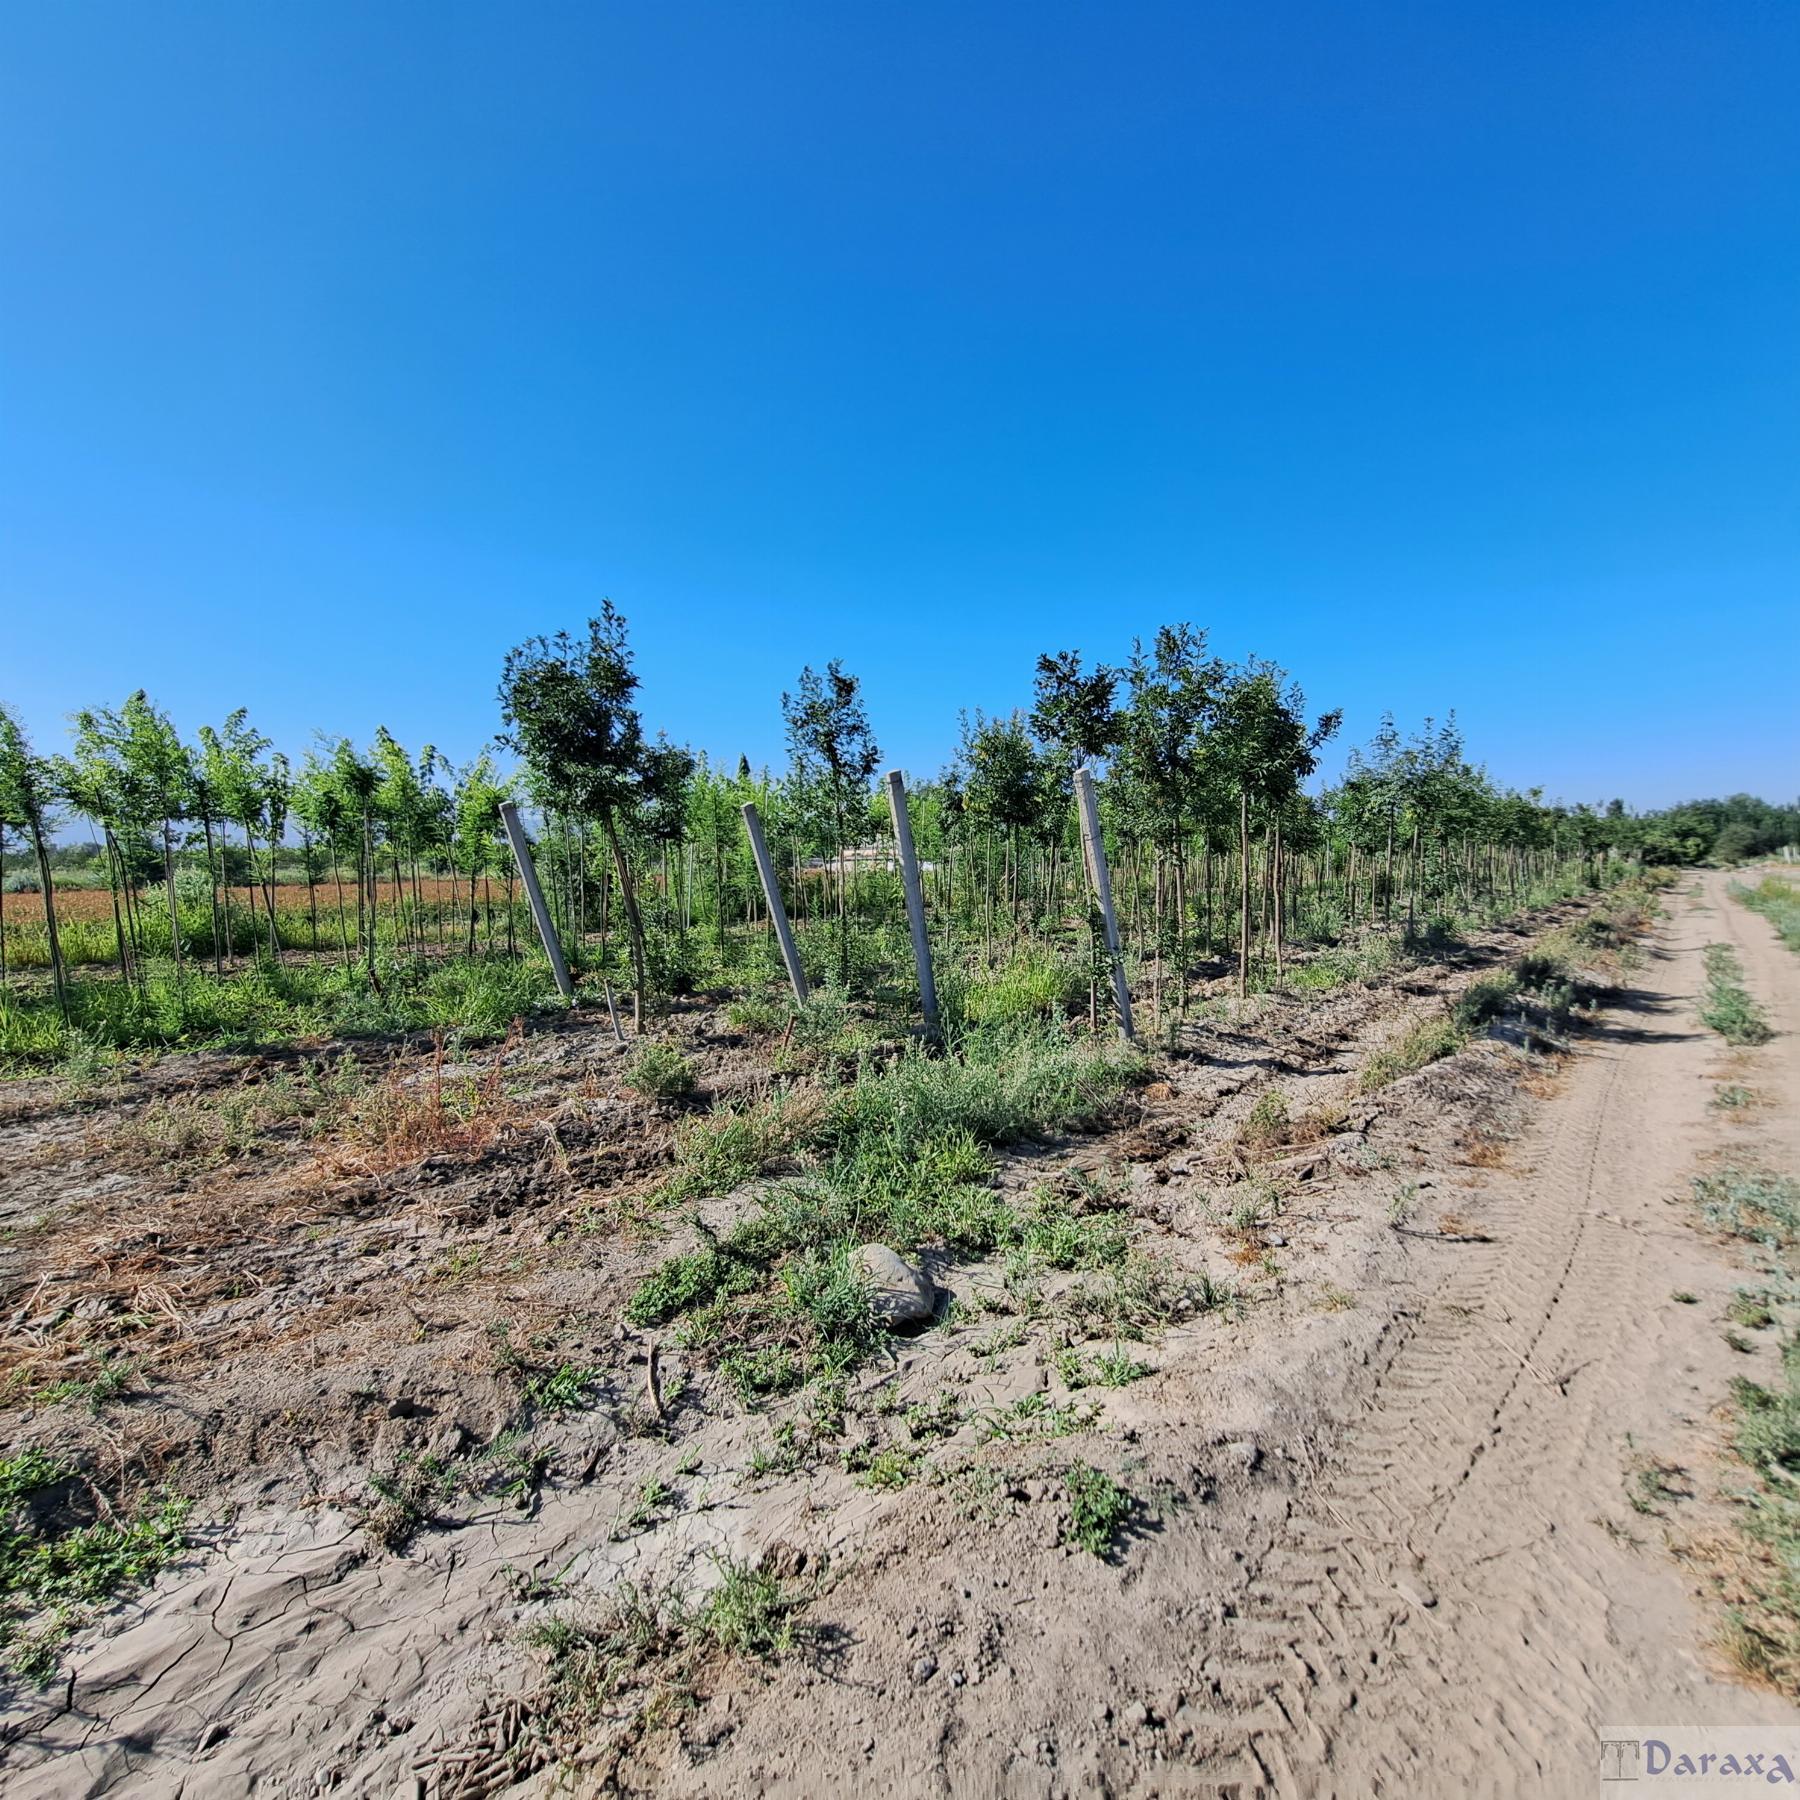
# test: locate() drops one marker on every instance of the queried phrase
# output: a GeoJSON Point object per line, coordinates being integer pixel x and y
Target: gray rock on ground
{"type": "Point", "coordinates": [898, 1293]}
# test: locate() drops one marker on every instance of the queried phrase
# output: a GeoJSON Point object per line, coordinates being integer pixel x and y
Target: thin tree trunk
{"type": "Point", "coordinates": [1243, 892]}
{"type": "Point", "coordinates": [633, 919]}
{"type": "Point", "coordinates": [47, 884]}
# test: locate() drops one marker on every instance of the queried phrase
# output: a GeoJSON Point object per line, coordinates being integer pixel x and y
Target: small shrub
{"type": "Point", "coordinates": [1099, 1509]}
{"type": "Point", "coordinates": [660, 1072]}
{"type": "Point", "coordinates": [1268, 1123]}
{"type": "Point", "coordinates": [1483, 1001]}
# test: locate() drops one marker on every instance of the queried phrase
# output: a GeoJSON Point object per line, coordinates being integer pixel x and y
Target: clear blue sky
{"type": "Point", "coordinates": [1449, 355]}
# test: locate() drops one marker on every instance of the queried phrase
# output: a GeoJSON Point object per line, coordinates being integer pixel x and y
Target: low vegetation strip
{"type": "Point", "coordinates": [1727, 1006]}
{"type": "Point", "coordinates": [1761, 1586]}
{"type": "Point", "coordinates": [1778, 900]}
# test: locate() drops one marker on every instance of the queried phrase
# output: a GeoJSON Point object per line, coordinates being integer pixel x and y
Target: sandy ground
{"type": "Point", "coordinates": [1384, 1545]}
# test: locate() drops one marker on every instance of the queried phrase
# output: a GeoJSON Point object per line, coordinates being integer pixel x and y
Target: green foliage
{"type": "Point", "coordinates": [1727, 1007]}
{"type": "Point", "coordinates": [1144, 1294]}
{"type": "Point", "coordinates": [659, 1071]}
{"type": "Point", "coordinates": [1778, 900]}
{"type": "Point", "coordinates": [56, 1569]}
{"type": "Point", "coordinates": [1099, 1509]}
{"type": "Point", "coordinates": [1035, 984]}
{"type": "Point", "coordinates": [1108, 1368]}
{"type": "Point", "coordinates": [1766, 1622]}
{"type": "Point", "coordinates": [885, 1469]}
{"type": "Point", "coordinates": [1033, 1417]}
{"type": "Point", "coordinates": [1750, 1203]}
{"type": "Point", "coordinates": [1420, 1044]}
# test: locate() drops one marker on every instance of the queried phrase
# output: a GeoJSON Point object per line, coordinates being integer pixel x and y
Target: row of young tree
{"type": "Point", "coordinates": [1219, 844]}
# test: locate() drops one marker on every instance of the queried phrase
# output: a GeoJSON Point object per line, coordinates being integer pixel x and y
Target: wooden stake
{"type": "Point", "coordinates": [1102, 877]}
{"type": "Point", "coordinates": [521, 849]}
{"type": "Point", "coordinates": [759, 848]}
{"type": "Point", "coordinates": [915, 897]}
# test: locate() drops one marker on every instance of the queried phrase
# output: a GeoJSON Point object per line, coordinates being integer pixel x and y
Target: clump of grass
{"type": "Point", "coordinates": [1727, 1007]}
{"type": "Point", "coordinates": [653, 1498]}
{"type": "Point", "coordinates": [111, 1377]}
{"type": "Point", "coordinates": [730, 1145]}
{"type": "Point", "coordinates": [1484, 1000]}
{"type": "Point", "coordinates": [406, 1495]}
{"type": "Point", "coordinates": [760, 1012]}
{"type": "Point", "coordinates": [902, 1157]}
{"type": "Point", "coordinates": [638, 1659]}
{"type": "Point", "coordinates": [565, 1388]}
{"type": "Point", "coordinates": [1269, 1123]}
{"type": "Point", "coordinates": [1032, 1417]}
{"type": "Point", "coordinates": [1143, 1295]}
{"type": "Point", "coordinates": [1109, 1368]}
{"type": "Point", "coordinates": [57, 1566]}
{"type": "Point", "coordinates": [1734, 1097]}
{"type": "Point", "coordinates": [1099, 1509]}
{"type": "Point", "coordinates": [1036, 984]}
{"type": "Point", "coordinates": [659, 1071]}
{"type": "Point", "coordinates": [1763, 1630]}
{"type": "Point", "coordinates": [937, 1419]}
{"type": "Point", "coordinates": [886, 1469]}
{"type": "Point", "coordinates": [1749, 1310]}
{"type": "Point", "coordinates": [1420, 1044]}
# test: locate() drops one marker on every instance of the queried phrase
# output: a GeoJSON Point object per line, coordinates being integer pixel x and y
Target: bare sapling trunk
{"type": "Point", "coordinates": [633, 920]}
{"type": "Point", "coordinates": [1243, 893]}
{"type": "Point", "coordinates": [47, 886]}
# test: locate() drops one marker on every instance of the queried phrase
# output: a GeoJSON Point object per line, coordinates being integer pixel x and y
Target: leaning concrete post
{"type": "Point", "coordinates": [1102, 878]}
{"type": "Point", "coordinates": [759, 848]}
{"type": "Point", "coordinates": [915, 897]}
{"type": "Point", "coordinates": [521, 849]}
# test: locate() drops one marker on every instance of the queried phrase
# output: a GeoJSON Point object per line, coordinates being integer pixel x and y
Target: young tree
{"type": "Point", "coordinates": [475, 839]}
{"type": "Point", "coordinates": [1266, 749]}
{"type": "Point", "coordinates": [568, 708]}
{"type": "Point", "coordinates": [237, 779]}
{"type": "Point", "coordinates": [25, 800]}
{"type": "Point", "coordinates": [1163, 762]}
{"type": "Point", "coordinates": [835, 756]}
{"type": "Point", "coordinates": [1005, 784]}
{"type": "Point", "coordinates": [93, 782]}
{"type": "Point", "coordinates": [160, 769]}
{"type": "Point", "coordinates": [323, 809]}
{"type": "Point", "coordinates": [1075, 710]}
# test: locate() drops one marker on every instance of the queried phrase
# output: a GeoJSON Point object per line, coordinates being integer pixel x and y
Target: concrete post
{"type": "Point", "coordinates": [1102, 879]}
{"type": "Point", "coordinates": [521, 849]}
{"type": "Point", "coordinates": [759, 848]}
{"type": "Point", "coordinates": [915, 897]}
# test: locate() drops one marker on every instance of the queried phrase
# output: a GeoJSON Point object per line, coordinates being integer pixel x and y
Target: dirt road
{"type": "Point", "coordinates": [1450, 1597]}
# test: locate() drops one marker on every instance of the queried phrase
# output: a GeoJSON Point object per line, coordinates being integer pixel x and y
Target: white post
{"type": "Point", "coordinates": [1102, 879]}
{"type": "Point", "coordinates": [915, 897]}
{"type": "Point", "coordinates": [521, 849]}
{"type": "Point", "coordinates": [759, 848]}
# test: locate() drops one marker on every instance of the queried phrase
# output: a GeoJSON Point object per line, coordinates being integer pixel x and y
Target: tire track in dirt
{"type": "Point", "coordinates": [1446, 1599]}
